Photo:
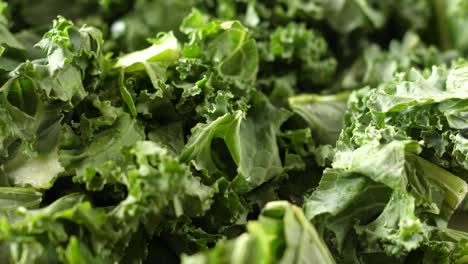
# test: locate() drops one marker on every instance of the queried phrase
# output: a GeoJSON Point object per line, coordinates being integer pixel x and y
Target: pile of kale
{"type": "Point", "coordinates": [233, 131]}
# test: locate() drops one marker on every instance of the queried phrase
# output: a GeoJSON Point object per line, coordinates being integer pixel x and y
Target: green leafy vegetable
{"type": "Point", "coordinates": [233, 131]}
{"type": "Point", "coordinates": [281, 235]}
